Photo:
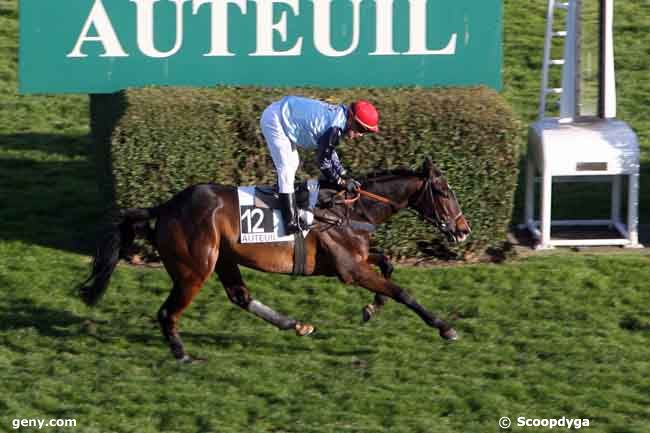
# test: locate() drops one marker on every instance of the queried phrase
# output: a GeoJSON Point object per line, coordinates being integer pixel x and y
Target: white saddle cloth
{"type": "Point", "coordinates": [259, 223]}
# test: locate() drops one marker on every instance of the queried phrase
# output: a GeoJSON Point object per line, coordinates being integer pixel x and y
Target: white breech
{"type": "Point", "coordinates": [285, 158]}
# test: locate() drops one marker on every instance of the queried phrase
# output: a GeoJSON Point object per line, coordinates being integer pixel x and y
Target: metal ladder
{"type": "Point", "coordinates": [551, 35]}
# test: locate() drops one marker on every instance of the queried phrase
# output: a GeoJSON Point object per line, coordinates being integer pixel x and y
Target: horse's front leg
{"type": "Point", "coordinates": [386, 268]}
{"type": "Point", "coordinates": [366, 277]}
{"type": "Point", "coordinates": [383, 262]}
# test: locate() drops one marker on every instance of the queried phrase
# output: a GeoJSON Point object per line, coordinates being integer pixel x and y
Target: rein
{"type": "Point", "coordinates": [384, 200]}
{"type": "Point", "coordinates": [348, 201]}
{"type": "Point", "coordinates": [437, 221]}
{"type": "Point", "coordinates": [341, 198]}
{"type": "Point", "coordinates": [377, 197]}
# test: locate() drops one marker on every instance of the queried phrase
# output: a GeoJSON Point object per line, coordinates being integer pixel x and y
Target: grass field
{"type": "Point", "coordinates": [546, 336]}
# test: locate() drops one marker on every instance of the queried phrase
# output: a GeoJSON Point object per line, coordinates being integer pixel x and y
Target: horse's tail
{"type": "Point", "coordinates": [112, 245]}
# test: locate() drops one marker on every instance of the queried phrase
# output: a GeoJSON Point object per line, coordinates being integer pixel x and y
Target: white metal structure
{"type": "Point", "coordinates": [585, 142]}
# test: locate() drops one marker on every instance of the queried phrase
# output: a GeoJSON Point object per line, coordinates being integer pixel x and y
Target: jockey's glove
{"type": "Point", "coordinates": [350, 184]}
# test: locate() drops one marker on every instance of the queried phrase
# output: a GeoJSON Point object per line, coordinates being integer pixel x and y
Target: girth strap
{"type": "Point", "coordinates": [299, 254]}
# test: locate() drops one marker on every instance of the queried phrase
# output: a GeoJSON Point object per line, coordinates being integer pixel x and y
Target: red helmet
{"type": "Point", "coordinates": [366, 115]}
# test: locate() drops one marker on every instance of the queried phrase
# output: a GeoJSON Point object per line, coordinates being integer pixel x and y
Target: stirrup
{"type": "Point", "coordinates": [291, 227]}
{"type": "Point", "coordinates": [305, 218]}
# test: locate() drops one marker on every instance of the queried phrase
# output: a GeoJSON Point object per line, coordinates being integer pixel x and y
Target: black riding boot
{"type": "Point", "coordinates": [289, 213]}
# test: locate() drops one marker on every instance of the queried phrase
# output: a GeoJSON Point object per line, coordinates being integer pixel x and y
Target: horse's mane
{"type": "Point", "coordinates": [397, 172]}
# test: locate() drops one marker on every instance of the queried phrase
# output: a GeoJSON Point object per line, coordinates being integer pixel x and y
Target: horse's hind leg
{"type": "Point", "coordinates": [239, 295]}
{"type": "Point", "coordinates": [184, 291]}
{"type": "Point", "coordinates": [386, 268]}
{"type": "Point", "coordinates": [189, 264]}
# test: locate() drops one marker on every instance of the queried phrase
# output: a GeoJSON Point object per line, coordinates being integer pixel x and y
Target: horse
{"type": "Point", "coordinates": [196, 233]}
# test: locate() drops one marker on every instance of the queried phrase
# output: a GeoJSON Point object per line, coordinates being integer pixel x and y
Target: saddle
{"type": "Point", "coordinates": [269, 195]}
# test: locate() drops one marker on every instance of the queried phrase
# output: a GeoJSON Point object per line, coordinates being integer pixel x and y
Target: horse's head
{"type": "Point", "coordinates": [437, 203]}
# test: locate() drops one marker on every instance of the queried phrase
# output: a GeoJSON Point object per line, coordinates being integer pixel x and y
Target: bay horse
{"type": "Point", "coordinates": [197, 233]}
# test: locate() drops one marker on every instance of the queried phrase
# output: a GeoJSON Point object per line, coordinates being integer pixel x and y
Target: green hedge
{"type": "Point", "coordinates": [167, 138]}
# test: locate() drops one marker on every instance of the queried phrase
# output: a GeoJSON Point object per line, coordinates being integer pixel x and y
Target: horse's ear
{"type": "Point", "coordinates": [428, 167]}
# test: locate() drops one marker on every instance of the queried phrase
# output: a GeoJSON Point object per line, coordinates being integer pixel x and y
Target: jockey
{"type": "Point", "coordinates": [294, 122]}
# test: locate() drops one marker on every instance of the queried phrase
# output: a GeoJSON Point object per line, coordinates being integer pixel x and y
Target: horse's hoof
{"type": "Point", "coordinates": [449, 334]}
{"type": "Point", "coordinates": [304, 329]}
{"type": "Point", "coordinates": [368, 311]}
{"type": "Point", "coordinates": [187, 359]}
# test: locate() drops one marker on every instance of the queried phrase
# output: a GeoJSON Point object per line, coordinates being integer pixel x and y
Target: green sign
{"type": "Point", "coordinates": [101, 46]}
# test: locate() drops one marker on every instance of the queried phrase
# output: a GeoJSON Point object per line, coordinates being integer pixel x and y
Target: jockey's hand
{"type": "Point", "coordinates": [350, 184]}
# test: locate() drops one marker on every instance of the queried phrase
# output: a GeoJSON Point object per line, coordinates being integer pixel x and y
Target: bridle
{"type": "Point", "coordinates": [427, 192]}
